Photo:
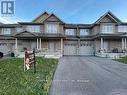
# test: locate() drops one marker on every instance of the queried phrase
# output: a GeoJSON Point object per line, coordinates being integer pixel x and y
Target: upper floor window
{"type": "Point", "coordinates": [122, 28]}
{"type": "Point", "coordinates": [70, 32]}
{"type": "Point", "coordinates": [19, 29]}
{"type": "Point", "coordinates": [84, 32]}
{"type": "Point", "coordinates": [33, 28]}
{"type": "Point", "coordinates": [6, 31]}
{"type": "Point", "coordinates": [51, 28]}
{"type": "Point", "coordinates": [107, 29]}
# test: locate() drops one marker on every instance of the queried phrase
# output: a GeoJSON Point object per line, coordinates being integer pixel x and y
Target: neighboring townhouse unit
{"type": "Point", "coordinates": [50, 36]}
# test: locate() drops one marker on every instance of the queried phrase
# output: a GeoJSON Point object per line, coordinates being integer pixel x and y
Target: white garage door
{"type": "Point", "coordinates": [3, 48]}
{"type": "Point", "coordinates": [70, 49]}
{"type": "Point", "coordinates": [86, 49]}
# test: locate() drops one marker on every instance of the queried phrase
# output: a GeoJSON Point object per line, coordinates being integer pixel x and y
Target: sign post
{"type": "Point", "coordinates": [29, 60]}
{"type": "Point", "coordinates": [34, 61]}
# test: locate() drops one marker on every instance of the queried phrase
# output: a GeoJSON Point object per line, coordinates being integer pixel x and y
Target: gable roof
{"type": "Point", "coordinates": [111, 15]}
{"type": "Point", "coordinates": [41, 15]}
{"type": "Point", "coordinates": [54, 16]}
{"type": "Point", "coordinates": [30, 33]}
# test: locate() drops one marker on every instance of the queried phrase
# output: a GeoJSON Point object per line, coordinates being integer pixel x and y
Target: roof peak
{"type": "Point", "coordinates": [43, 13]}
{"type": "Point", "coordinates": [109, 13]}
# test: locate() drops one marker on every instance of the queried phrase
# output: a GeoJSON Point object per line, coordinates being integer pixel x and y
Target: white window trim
{"type": "Point", "coordinates": [6, 31]}
{"type": "Point", "coordinates": [107, 28]}
{"type": "Point", "coordinates": [49, 29]}
{"type": "Point", "coordinates": [19, 29]}
{"type": "Point", "coordinates": [70, 32]}
{"type": "Point", "coordinates": [122, 28]}
{"type": "Point", "coordinates": [84, 32]}
{"type": "Point", "coordinates": [33, 28]}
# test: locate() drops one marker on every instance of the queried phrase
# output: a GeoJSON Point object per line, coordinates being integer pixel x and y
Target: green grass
{"type": "Point", "coordinates": [14, 81]}
{"type": "Point", "coordinates": [122, 60]}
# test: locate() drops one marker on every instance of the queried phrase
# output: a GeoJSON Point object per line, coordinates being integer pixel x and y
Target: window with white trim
{"type": "Point", "coordinates": [51, 28]}
{"type": "Point", "coordinates": [107, 28]}
{"type": "Point", "coordinates": [19, 29]}
{"type": "Point", "coordinates": [70, 32]}
{"type": "Point", "coordinates": [84, 32]}
{"type": "Point", "coordinates": [122, 28]}
{"type": "Point", "coordinates": [33, 28]}
{"type": "Point", "coordinates": [6, 31]}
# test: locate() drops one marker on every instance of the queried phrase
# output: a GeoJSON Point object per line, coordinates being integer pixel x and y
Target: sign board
{"type": "Point", "coordinates": [7, 7]}
{"type": "Point", "coordinates": [29, 60]}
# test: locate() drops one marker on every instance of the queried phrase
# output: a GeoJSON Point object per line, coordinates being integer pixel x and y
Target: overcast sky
{"type": "Point", "coordinates": [70, 11]}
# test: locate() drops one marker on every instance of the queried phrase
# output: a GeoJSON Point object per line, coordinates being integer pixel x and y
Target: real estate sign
{"type": "Point", "coordinates": [29, 60]}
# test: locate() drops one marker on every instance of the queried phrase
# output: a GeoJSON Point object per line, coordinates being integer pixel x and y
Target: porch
{"type": "Point", "coordinates": [47, 48]}
{"type": "Point", "coordinates": [111, 46]}
{"type": "Point", "coordinates": [44, 45]}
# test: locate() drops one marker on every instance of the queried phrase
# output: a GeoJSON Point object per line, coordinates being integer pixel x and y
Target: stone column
{"type": "Point", "coordinates": [78, 47]}
{"type": "Point", "coordinates": [94, 46]}
{"type": "Point", "coordinates": [40, 44]}
{"type": "Point", "coordinates": [16, 47]}
{"type": "Point", "coordinates": [16, 43]}
{"type": "Point", "coordinates": [61, 46]}
{"type": "Point", "coordinates": [125, 44]}
{"type": "Point", "coordinates": [122, 43]}
{"type": "Point", "coordinates": [37, 43]}
{"type": "Point", "coordinates": [102, 44]}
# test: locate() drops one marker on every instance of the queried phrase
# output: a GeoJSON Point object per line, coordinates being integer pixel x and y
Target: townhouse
{"type": "Point", "coordinates": [50, 36]}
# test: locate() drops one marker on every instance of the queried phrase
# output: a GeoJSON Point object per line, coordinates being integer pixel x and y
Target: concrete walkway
{"type": "Point", "coordinates": [89, 76]}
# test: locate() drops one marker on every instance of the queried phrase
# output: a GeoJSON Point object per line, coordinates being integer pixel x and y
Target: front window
{"type": "Point", "coordinates": [51, 28]}
{"type": "Point", "coordinates": [84, 32]}
{"type": "Point", "coordinates": [19, 29]}
{"type": "Point", "coordinates": [122, 28]}
{"type": "Point", "coordinates": [107, 28]}
{"type": "Point", "coordinates": [33, 28]}
{"type": "Point", "coordinates": [6, 31]}
{"type": "Point", "coordinates": [70, 32]}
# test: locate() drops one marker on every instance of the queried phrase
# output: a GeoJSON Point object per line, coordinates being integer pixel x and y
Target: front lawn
{"type": "Point", "coordinates": [14, 81]}
{"type": "Point", "coordinates": [122, 60]}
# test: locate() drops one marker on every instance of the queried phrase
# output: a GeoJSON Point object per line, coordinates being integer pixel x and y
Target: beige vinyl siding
{"type": "Point", "coordinates": [0, 30]}
{"type": "Point", "coordinates": [95, 30]}
{"type": "Point", "coordinates": [45, 45]}
{"type": "Point", "coordinates": [115, 44]}
{"type": "Point", "coordinates": [107, 20]}
{"type": "Point", "coordinates": [42, 28]}
{"type": "Point", "coordinates": [61, 29]}
{"type": "Point", "coordinates": [52, 19]}
{"type": "Point", "coordinates": [97, 45]}
{"type": "Point", "coordinates": [42, 18]}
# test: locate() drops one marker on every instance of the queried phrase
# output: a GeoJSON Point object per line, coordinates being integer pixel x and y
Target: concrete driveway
{"type": "Point", "coordinates": [89, 76]}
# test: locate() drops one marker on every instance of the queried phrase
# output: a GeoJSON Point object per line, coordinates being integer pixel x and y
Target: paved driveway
{"type": "Point", "coordinates": [89, 76]}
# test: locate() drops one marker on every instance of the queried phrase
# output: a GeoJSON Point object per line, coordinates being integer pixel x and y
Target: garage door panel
{"type": "Point", "coordinates": [85, 49]}
{"type": "Point", "coordinates": [70, 49]}
{"type": "Point", "coordinates": [74, 48]}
